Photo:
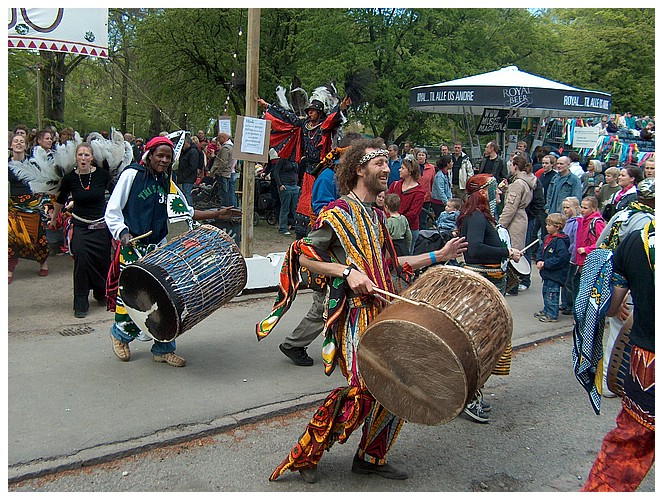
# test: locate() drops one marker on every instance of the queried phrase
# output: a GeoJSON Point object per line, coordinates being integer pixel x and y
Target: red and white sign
{"type": "Point", "coordinates": [75, 31]}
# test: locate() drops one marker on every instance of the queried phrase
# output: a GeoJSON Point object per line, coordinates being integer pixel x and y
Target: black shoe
{"type": "Point", "coordinates": [297, 355]}
{"type": "Point", "coordinates": [309, 475]}
{"type": "Point", "coordinates": [566, 312]}
{"type": "Point", "coordinates": [476, 412]}
{"type": "Point", "coordinates": [360, 466]}
{"type": "Point", "coordinates": [80, 314]}
{"type": "Point", "coordinates": [100, 301]}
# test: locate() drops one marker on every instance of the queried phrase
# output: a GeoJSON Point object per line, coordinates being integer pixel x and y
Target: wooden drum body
{"type": "Point", "coordinates": [425, 363]}
{"type": "Point", "coordinates": [176, 286]}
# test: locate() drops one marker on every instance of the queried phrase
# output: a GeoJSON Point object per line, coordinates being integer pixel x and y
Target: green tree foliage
{"type": "Point", "coordinates": [610, 50]}
{"type": "Point", "coordinates": [177, 68]}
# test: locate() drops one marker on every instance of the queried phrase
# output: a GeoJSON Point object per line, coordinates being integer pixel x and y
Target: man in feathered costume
{"type": "Point", "coordinates": [305, 140]}
{"type": "Point", "coordinates": [351, 247]}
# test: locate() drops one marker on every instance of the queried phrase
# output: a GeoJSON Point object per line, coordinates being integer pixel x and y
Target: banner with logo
{"type": "Point", "coordinates": [74, 31]}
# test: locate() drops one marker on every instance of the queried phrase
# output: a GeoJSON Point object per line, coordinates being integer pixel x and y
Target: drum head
{"type": "Point", "coordinates": [522, 267]}
{"type": "Point", "coordinates": [149, 302]}
{"type": "Point", "coordinates": [412, 371]}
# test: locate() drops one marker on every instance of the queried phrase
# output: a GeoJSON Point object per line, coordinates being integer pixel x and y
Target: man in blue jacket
{"type": "Point", "coordinates": [562, 186]}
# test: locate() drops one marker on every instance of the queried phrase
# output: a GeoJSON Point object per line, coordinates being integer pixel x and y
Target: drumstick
{"type": "Point", "coordinates": [394, 296]}
{"type": "Point", "coordinates": [140, 237]}
{"type": "Point", "coordinates": [530, 245]}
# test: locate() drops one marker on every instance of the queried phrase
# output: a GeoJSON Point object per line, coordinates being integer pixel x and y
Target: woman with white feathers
{"type": "Point", "coordinates": [91, 241]}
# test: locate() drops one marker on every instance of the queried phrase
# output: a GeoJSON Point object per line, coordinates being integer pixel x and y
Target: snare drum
{"type": "Point", "coordinates": [176, 286]}
{"type": "Point", "coordinates": [424, 363]}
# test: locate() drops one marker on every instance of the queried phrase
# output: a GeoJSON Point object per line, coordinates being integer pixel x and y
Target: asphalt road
{"type": "Point", "coordinates": [79, 419]}
{"type": "Point", "coordinates": [542, 437]}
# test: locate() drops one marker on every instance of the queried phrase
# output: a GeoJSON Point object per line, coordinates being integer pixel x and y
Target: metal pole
{"type": "Point", "coordinates": [248, 177]}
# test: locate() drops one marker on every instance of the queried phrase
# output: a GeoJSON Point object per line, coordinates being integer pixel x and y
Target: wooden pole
{"type": "Point", "coordinates": [248, 177]}
{"type": "Point", "coordinates": [40, 117]}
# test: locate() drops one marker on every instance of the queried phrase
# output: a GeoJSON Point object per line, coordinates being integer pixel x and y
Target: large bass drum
{"type": "Point", "coordinates": [176, 286]}
{"type": "Point", "coordinates": [424, 363]}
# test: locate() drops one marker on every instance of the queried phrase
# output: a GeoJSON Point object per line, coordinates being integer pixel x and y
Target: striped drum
{"type": "Point", "coordinates": [176, 286]}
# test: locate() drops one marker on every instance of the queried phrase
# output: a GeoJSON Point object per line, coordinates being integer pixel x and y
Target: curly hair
{"type": "Point", "coordinates": [346, 171]}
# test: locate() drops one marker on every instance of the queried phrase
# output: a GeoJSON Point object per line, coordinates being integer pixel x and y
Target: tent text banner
{"type": "Point", "coordinates": [74, 31]}
{"type": "Point", "coordinates": [509, 88]}
{"type": "Point", "coordinates": [573, 102]}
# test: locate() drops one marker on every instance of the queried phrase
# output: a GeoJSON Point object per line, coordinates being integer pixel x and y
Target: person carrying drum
{"type": "Point", "coordinates": [144, 201]}
{"type": "Point", "coordinates": [350, 245]}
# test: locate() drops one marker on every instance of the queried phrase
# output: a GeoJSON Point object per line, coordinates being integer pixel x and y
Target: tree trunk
{"type": "Point", "coordinates": [52, 85]}
{"type": "Point", "coordinates": [155, 122]}
{"type": "Point", "coordinates": [54, 75]}
{"type": "Point", "coordinates": [125, 92]}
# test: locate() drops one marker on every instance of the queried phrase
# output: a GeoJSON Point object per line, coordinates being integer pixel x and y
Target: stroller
{"type": "Point", "coordinates": [206, 194]}
{"type": "Point", "coordinates": [430, 240]}
{"type": "Point", "coordinates": [264, 204]}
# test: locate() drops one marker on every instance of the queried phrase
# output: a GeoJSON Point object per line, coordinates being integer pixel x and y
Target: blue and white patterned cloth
{"type": "Point", "coordinates": [591, 304]}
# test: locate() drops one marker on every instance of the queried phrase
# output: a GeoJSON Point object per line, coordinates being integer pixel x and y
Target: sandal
{"type": "Point", "coordinates": [43, 272]}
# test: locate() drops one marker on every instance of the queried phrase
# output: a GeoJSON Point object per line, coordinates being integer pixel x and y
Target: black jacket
{"type": "Point", "coordinates": [187, 172]}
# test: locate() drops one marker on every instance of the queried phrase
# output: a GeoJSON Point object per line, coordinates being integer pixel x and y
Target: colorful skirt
{"type": "Point", "coordinates": [27, 229]}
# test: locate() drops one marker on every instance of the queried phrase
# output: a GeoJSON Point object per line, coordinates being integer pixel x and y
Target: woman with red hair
{"type": "Point", "coordinates": [488, 251]}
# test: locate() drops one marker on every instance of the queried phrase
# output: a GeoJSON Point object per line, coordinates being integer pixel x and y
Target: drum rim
{"type": "Point", "coordinates": [175, 301]}
{"type": "Point", "coordinates": [522, 262]}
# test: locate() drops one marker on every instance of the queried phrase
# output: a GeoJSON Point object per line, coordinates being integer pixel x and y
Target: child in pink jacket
{"type": "Point", "coordinates": [589, 228]}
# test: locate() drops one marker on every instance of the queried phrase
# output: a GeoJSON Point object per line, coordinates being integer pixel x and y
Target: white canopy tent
{"type": "Point", "coordinates": [509, 88]}
{"type": "Point", "coordinates": [508, 91]}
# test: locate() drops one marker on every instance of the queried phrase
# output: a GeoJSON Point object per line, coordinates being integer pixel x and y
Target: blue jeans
{"type": "Point", "coordinates": [224, 190]}
{"type": "Point", "coordinates": [415, 235]}
{"type": "Point", "coordinates": [423, 215]}
{"type": "Point", "coordinates": [158, 348]}
{"type": "Point", "coordinates": [289, 198]}
{"type": "Point", "coordinates": [550, 291]}
{"type": "Point", "coordinates": [232, 198]}
{"type": "Point", "coordinates": [187, 187]}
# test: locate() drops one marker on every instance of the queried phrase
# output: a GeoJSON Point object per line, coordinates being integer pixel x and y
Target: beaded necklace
{"type": "Point", "coordinates": [89, 182]}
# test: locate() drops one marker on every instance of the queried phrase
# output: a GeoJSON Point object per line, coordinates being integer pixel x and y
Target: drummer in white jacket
{"type": "Point", "coordinates": [145, 200]}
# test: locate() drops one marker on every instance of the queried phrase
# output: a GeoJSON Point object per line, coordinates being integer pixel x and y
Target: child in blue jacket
{"type": "Point", "coordinates": [553, 264]}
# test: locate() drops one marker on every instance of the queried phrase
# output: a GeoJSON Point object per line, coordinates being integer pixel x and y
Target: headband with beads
{"type": "Point", "coordinates": [369, 156]}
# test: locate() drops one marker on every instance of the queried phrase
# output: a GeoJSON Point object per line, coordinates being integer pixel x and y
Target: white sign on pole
{"type": "Point", "coordinates": [585, 137]}
{"type": "Point", "coordinates": [253, 136]}
{"type": "Point", "coordinates": [225, 125]}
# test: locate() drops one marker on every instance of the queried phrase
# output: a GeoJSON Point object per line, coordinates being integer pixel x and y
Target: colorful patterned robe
{"type": "Point", "coordinates": [367, 246]}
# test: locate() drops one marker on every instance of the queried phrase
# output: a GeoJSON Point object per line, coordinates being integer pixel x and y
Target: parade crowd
{"type": "Point", "coordinates": [367, 216]}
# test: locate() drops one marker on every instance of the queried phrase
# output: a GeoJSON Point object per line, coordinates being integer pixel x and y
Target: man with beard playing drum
{"type": "Point", "coordinates": [351, 246]}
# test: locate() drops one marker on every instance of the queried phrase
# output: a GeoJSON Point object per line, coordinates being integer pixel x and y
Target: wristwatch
{"type": "Point", "coordinates": [346, 272]}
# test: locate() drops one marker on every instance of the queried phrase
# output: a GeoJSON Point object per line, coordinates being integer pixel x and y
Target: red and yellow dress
{"type": "Point", "coordinates": [354, 234]}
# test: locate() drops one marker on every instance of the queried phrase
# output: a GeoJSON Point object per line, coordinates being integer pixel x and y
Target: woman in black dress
{"type": "Point", "coordinates": [91, 241]}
